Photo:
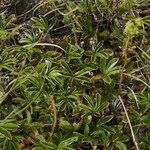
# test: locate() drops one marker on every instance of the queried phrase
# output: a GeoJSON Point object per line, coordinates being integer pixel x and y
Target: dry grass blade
{"type": "Point", "coordinates": [54, 111]}
{"type": "Point", "coordinates": [138, 79]}
{"type": "Point", "coordinates": [48, 44]}
{"type": "Point", "coordinates": [129, 122]}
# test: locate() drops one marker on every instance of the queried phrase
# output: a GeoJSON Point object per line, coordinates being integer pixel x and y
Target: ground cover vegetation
{"type": "Point", "coordinates": [74, 75]}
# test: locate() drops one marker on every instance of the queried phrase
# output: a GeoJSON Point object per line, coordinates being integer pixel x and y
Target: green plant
{"type": "Point", "coordinates": [92, 108]}
{"type": "Point", "coordinates": [75, 75]}
{"type": "Point", "coordinates": [108, 69]}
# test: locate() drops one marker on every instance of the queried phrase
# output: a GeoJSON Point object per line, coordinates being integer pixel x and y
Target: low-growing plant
{"type": "Point", "coordinates": [75, 75]}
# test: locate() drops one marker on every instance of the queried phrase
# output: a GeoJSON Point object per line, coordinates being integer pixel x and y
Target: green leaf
{"type": "Point", "coordinates": [67, 142]}
{"type": "Point", "coordinates": [103, 106]}
{"type": "Point", "coordinates": [83, 79]}
{"type": "Point", "coordinates": [99, 46]}
{"type": "Point", "coordinates": [6, 133]}
{"type": "Point", "coordinates": [86, 130]}
{"type": "Point", "coordinates": [105, 119]}
{"type": "Point", "coordinates": [88, 99]}
{"type": "Point", "coordinates": [11, 145]}
{"type": "Point", "coordinates": [67, 68]}
{"type": "Point", "coordinates": [84, 107]}
{"type": "Point", "coordinates": [107, 79]}
{"type": "Point", "coordinates": [3, 34]}
{"type": "Point", "coordinates": [48, 145]}
{"type": "Point", "coordinates": [98, 100]}
{"type": "Point", "coordinates": [42, 23]}
{"type": "Point", "coordinates": [111, 64]}
{"type": "Point", "coordinates": [88, 119]}
{"type": "Point", "coordinates": [103, 65]}
{"type": "Point", "coordinates": [38, 148]}
{"type": "Point", "coordinates": [83, 71]}
{"type": "Point", "coordinates": [121, 146]}
{"type": "Point", "coordinates": [9, 125]}
{"type": "Point", "coordinates": [65, 125]}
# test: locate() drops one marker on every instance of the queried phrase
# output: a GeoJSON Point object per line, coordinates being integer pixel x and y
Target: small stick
{"type": "Point", "coordinates": [131, 129]}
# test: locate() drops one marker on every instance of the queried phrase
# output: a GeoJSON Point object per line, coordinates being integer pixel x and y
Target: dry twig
{"type": "Point", "coordinates": [132, 133]}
